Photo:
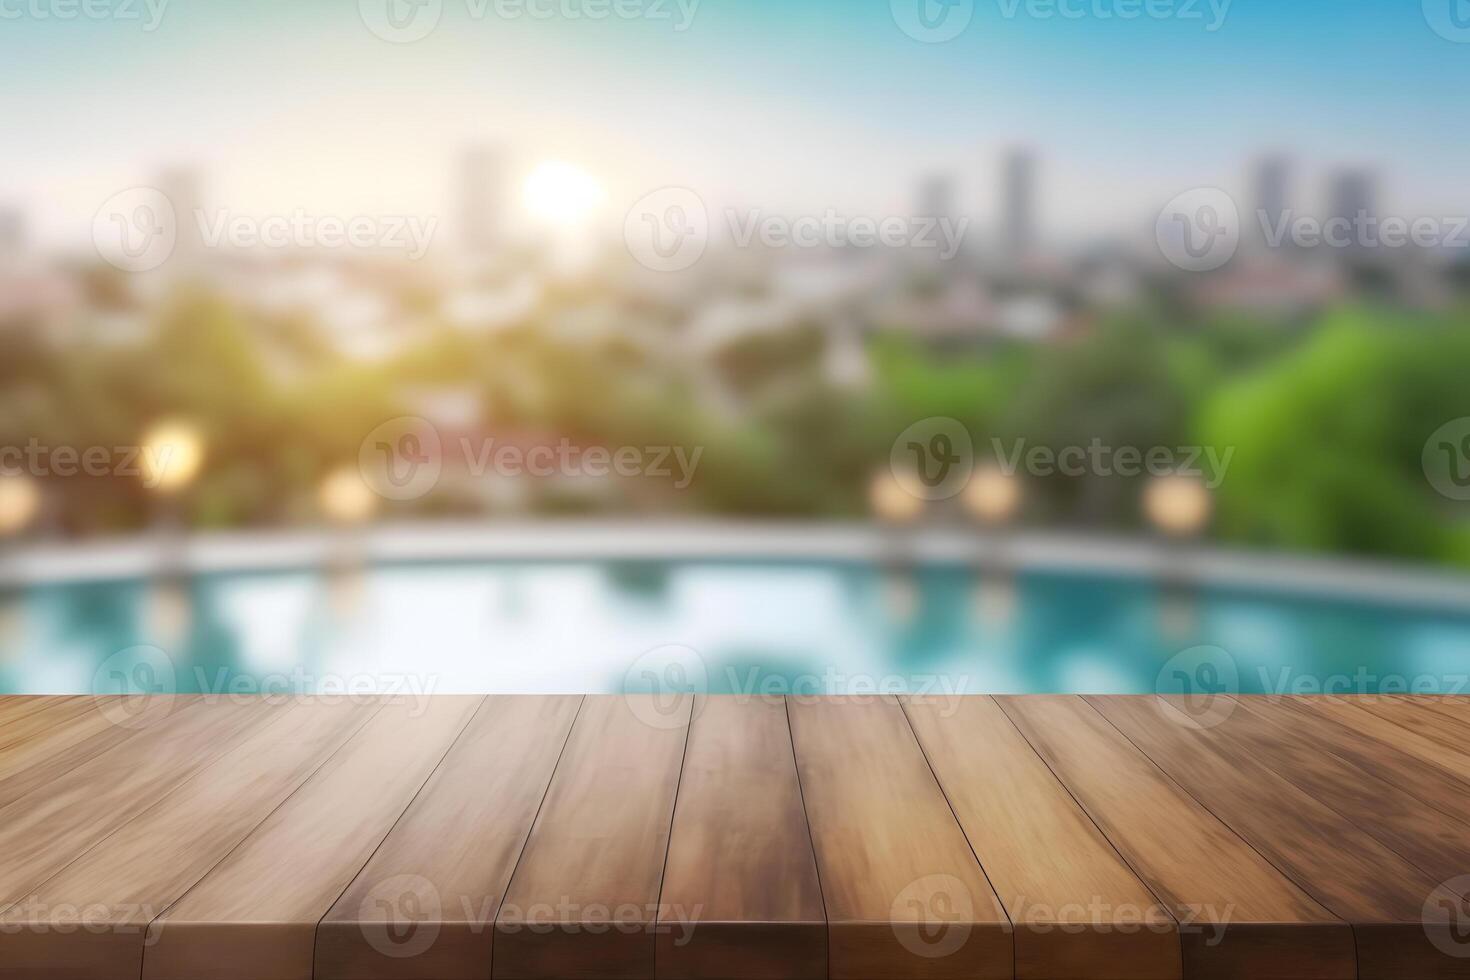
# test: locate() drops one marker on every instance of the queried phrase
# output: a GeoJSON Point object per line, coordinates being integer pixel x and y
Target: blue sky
{"type": "Point", "coordinates": [784, 105]}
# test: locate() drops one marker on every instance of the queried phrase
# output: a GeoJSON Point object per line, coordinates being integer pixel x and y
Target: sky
{"type": "Point", "coordinates": [786, 106]}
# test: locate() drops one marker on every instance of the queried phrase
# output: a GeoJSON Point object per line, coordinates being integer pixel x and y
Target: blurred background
{"type": "Point", "coordinates": [804, 346]}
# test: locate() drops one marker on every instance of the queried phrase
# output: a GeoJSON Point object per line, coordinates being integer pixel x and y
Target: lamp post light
{"type": "Point", "coordinates": [345, 498]}
{"type": "Point", "coordinates": [172, 455]}
{"type": "Point", "coordinates": [20, 502]}
{"type": "Point", "coordinates": [896, 509]}
{"type": "Point", "coordinates": [348, 502]}
{"type": "Point", "coordinates": [993, 498]}
{"type": "Point", "coordinates": [891, 502]}
{"type": "Point", "coordinates": [1179, 507]}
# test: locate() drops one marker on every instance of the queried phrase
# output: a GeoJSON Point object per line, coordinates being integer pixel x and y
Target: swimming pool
{"type": "Point", "coordinates": [731, 626]}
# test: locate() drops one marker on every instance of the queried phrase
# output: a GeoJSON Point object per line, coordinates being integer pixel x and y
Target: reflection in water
{"type": "Point", "coordinates": [994, 600]}
{"type": "Point", "coordinates": [578, 626]}
{"type": "Point", "coordinates": [900, 595]}
{"type": "Point", "coordinates": [1178, 613]}
{"type": "Point", "coordinates": [169, 616]}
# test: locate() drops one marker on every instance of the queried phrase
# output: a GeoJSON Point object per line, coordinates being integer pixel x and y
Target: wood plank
{"type": "Point", "coordinates": [46, 830]}
{"type": "Point", "coordinates": [741, 899]}
{"type": "Point", "coordinates": [254, 916]}
{"type": "Point", "coordinates": [905, 895]}
{"type": "Point", "coordinates": [32, 764]}
{"type": "Point", "coordinates": [1348, 714]}
{"type": "Point", "coordinates": [424, 906]}
{"type": "Point", "coordinates": [1431, 723]}
{"type": "Point", "coordinates": [1239, 916]}
{"type": "Point", "coordinates": [15, 708]}
{"type": "Point", "coordinates": [1362, 779]}
{"type": "Point", "coordinates": [1381, 894]}
{"type": "Point", "coordinates": [54, 713]}
{"type": "Point", "coordinates": [130, 877]}
{"type": "Point", "coordinates": [583, 900]}
{"type": "Point", "coordinates": [1078, 910]}
{"type": "Point", "coordinates": [1427, 781]}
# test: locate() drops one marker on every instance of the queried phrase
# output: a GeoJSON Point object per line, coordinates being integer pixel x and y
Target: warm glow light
{"type": "Point", "coordinates": [992, 495]}
{"type": "Point", "coordinates": [20, 500]}
{"type": "Point", "coordinates": [560, 194]}
{"type": "Point", "coordinates": [1177, 504]}
{"type": "Point", "coordinates": [173, 452]}
{"type": "Point", "coordinates": [345, 497]}
{"type": "Point", "coordinates": [891, 502]}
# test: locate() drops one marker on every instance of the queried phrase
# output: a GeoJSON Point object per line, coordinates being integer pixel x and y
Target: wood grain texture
{"type": "Point", "coordinates": [1426, 781]}
{"type": "Point", "coordinates": [905, 896]}
{"type": "Point", "coordinates": [741, 899]}
{"type": "Point", "coordinates": [1347, 713]}
{"type": "Point", "coordinates": [29, 765]}
{"type": "Point", "coordinates": [133, 875]}
{"type": "Point", "coordinates": [1433, 723]}
{"type": "Point", "coordinates": [1239, 916]}
{"type": "Point", "coordinates": [1364, 790]}
{"type": "Point", "coordinates": [14, 707]}
{"type": "Point", "coordinates": [424, 907]}
{"type": "Point", "coordinates": [1077, 909]}
{"type": "Point", "coordinates": [1346, 869]}
{"type": "Point", "coordinates": [582, 902]}
{"type": "Point", "coordinates": [254, 916]}
{"type": "Point", "coordinates": [50, 827]}
{"type": "Point", "coordinates": [33, 720]}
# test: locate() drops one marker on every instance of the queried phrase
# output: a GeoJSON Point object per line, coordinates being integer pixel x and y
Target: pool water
{"type": "Point", "coordinates": [725, 627]}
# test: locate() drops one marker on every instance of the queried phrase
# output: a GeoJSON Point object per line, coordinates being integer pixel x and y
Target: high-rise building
{"type": "Point", "coordinates": [12, 234]}
{"type": "Point", "coordinates": [482, 198]}
{"type": "Point", "coordinates": [937, 197]}
{"type": "Point", "coordinates": [181, 185]}
{"type": "Point", "coordinates": [1018, 205]}
{"type": "Point", "coordinates": [1351, 196]}
{"type": "Point", "coordinates": [1271, 187]}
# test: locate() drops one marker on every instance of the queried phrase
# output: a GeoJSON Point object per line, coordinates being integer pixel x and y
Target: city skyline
{"type": "Point", "coordinates": [795, 107]}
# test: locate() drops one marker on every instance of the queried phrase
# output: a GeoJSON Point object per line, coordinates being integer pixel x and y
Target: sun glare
{"type": "Point", "coordinates": [560, 194]}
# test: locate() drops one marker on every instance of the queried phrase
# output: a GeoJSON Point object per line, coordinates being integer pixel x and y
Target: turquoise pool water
{"type": "Point", "coordinates": [728, 627]}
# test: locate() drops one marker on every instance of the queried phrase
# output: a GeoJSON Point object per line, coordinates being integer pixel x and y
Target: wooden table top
{"type": "Point", "coordinates": [734, 838]}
